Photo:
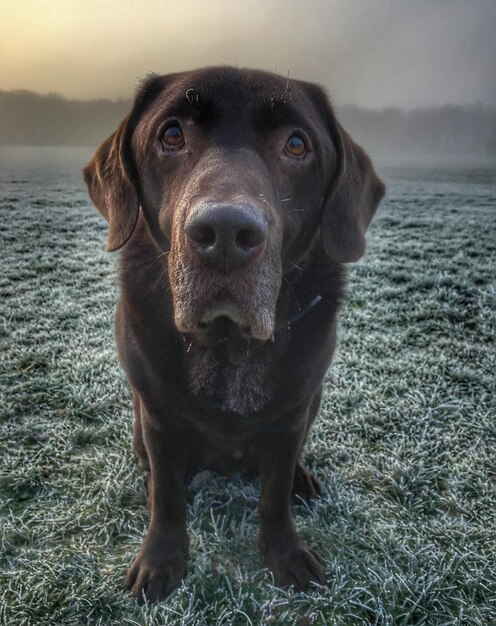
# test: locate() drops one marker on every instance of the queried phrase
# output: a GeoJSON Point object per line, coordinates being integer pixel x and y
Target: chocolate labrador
{"type": "Point", "coordinates": [236, 198]}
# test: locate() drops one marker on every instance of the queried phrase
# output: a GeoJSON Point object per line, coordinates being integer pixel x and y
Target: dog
{"type": "Point", "coordinates": [237, 200]}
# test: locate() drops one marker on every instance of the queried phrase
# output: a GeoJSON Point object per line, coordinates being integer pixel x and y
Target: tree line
{"type": "Point", "coordinates": [449, 130]}
{"type": "Point", "coordinates": [28, 118]}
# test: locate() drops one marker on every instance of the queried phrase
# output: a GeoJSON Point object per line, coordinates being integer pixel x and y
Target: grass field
{"type": "Point", "coordinates": [405, 443]}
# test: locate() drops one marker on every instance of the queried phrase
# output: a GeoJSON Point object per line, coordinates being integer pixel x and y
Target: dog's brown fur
{"type": "Point", "coordinates": [223, 374]}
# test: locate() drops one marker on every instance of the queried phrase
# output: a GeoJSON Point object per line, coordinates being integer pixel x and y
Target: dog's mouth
{"type": "Point", "coordinates": [223, 305]}
{"type": "Point", "coordinates": [223, 316]}
{"type": "Point", "coordinates": [222, 329]}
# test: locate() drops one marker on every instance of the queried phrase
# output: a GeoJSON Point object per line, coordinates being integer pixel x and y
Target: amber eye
{"type": "Point", "coordinates": [173, 137]}
{"type": "Point", "coordinates": [295, 146]}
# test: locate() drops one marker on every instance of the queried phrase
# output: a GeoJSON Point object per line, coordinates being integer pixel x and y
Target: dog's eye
{"type": "Point", "coordinates": [295, 146]}
{"type": "Point", "coordinates": [173, 137]}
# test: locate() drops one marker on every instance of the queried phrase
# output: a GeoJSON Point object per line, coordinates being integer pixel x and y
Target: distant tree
{"type": "Point", "coordinates": [28, 118]}
{"type": "Point", "coordinates": [450, 130]}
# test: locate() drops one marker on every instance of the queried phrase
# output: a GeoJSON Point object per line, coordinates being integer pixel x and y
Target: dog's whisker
{"type": "Point", "coordinates": [296, 266]}
{"type": "Point", "coordinates": [161, 275]}
{"type": "Point", "coordinates": [164, 295]}
{"type": "Point", "coordinates": [292, 292]}
{"type": "Point", "coordinates": [152, 259]}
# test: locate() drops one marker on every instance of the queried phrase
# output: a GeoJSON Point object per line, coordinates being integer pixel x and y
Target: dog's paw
{"type": "Point", "coordinates": [296, 564]}
{"type": "Point", "coordinates": [157, 571]}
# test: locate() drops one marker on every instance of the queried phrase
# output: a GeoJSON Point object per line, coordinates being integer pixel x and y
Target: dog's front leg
{"type": "Point", "coordinates": [290, 559]}
{"type": "Point", "coordinates": [160, 564]}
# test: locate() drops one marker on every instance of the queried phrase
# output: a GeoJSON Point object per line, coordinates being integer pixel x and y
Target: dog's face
{"type": "Point", "coordinates": [237, 172]}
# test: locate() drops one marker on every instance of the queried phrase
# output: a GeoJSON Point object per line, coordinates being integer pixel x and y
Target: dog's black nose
{"type": "Point", "coordinates": [227, 237]}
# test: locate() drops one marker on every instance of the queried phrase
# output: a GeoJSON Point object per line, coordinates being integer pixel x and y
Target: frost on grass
{"type": "Point", "coordinates": [404, 443]}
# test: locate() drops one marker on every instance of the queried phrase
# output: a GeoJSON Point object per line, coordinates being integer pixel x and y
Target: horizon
{"type": "Point", "coordinates": [382, 54]}
{"type": "Point", "coordinates": [129, 99]}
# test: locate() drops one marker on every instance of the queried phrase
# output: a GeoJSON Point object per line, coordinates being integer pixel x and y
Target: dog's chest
{"type": "Point", "coordinates": [242, 384]}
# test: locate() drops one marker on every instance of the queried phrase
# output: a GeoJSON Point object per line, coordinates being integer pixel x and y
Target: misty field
{"type": "Point", "coordinates": [405, 442]}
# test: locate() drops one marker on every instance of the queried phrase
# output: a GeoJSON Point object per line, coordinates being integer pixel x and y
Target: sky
{"type": "Point", "coordinates": [372, 53]}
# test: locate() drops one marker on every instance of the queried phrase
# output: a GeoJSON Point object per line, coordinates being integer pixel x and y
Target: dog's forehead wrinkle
{"type": "Point", "coordinates": [235, 91]}
{"type": "Point", "coordinates": [230, 89]}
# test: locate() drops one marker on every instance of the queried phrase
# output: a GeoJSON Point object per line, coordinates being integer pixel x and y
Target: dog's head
{"type": "Point", "coordinates": [239, 173]}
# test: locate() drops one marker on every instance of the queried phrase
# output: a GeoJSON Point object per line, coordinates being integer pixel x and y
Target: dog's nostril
{"type": "Point", "coordinates": [248, 238]}
{"type": "Point", "coordinates": [204, 236]}
{"type": "Point", "coordinates": [227, 237]}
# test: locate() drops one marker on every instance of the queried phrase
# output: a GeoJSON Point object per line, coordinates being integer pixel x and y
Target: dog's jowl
{"type": "Point", "coordinates": [237, 199]}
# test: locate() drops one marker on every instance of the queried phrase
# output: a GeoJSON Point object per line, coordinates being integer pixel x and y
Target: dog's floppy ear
{"type": "Point", "coordinates": [111, 174]}
{"type": "Point", "coordinates": [354, 189]}
{"type": "Point", "coordinates": [112, 188]}
{"type": "Point", "coordinates": [352, 201]}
